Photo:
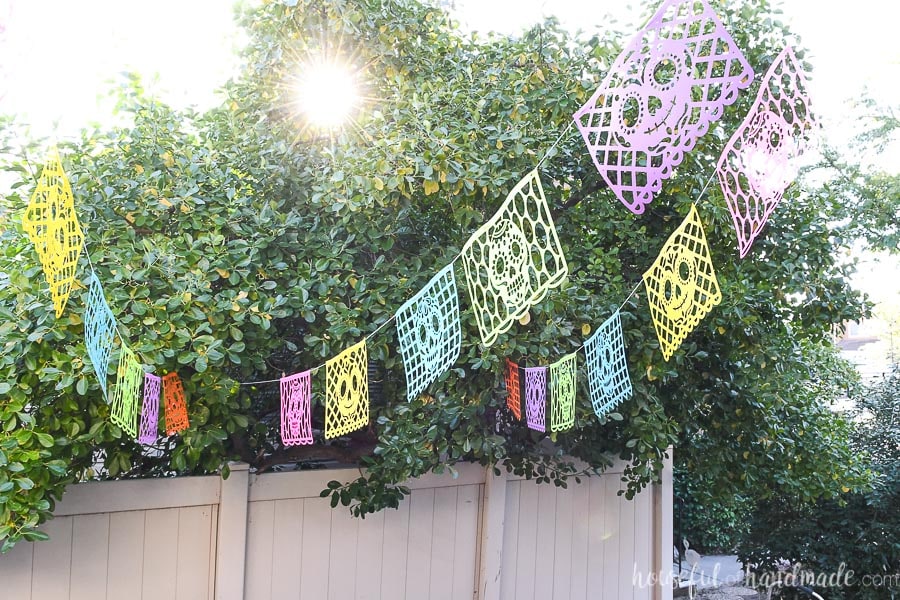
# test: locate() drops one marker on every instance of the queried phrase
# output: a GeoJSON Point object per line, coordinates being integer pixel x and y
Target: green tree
{"type": "Point", "coordinates": [241, 243]}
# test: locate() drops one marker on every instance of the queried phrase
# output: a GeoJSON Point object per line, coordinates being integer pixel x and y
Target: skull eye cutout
{"type": "Point", "coordinates": [679, 285]}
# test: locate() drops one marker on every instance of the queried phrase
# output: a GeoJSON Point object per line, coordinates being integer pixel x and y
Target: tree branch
{"type": "Point", "coordinates": [294, 454]}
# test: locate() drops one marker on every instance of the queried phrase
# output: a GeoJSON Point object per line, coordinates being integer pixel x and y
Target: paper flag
{"type": "Point", "coordinates": [513, 260]}
{"type": "Point", "coordinates": [296, 392]}
{"type": "Point", "coordinates": [608, 379]}
{"type": "Point", "coordinates": [563, 379]}
{"type": "Point", "coordinates": [150, 409]}
{"type": "Point", "coordinates": [761, 159]}
{"type": "Point", "coordinates": [127, 393]}
{"type": "Point", "coordinates": [347, 391]}
{"type": "Point", "coordinates": [52, 226]}
{"type": "Point", "coordinates": [681, 284]}
{"type": "Point", "coordinates": [429, 332]}
{"type": "Point", "coordinates": [513, 391]}
{"type": "Point", "coordinates": [99, 331]}
{"type": "Point", "coordinates": [536, 397]}
{"type": "Point", "coordinates": [660, 96]}
{"type": "Point", "coordinates": [176, 404]}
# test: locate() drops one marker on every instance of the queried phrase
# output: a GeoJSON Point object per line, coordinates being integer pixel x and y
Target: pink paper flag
{"type": "Point", "coordinates": [660, 96]}
{"type": "Point", "coordinates": [296, 391]}
{"type": "Point", "coordinates": [761, 159]}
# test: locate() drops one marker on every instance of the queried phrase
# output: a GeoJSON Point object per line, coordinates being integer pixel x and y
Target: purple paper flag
{"type": "Point", "coordinates": [296, 427]}
{"type": "Point", "coordinates": [761, 159]}
{"type": "Point", "coordinates": [536, 397]}
{"type": "Point", "coordinates": [660, 96]}
{"type": "Point", "coordinates": [150, 410]}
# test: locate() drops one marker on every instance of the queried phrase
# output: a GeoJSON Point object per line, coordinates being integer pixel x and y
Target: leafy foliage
{"type": "Point", "coordinates": [860, 530]}
{"type": "Point", "coordinates": [243, 243]}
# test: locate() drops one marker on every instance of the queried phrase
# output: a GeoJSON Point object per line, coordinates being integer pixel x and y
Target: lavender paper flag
{"type": "Point", "coordinates": [149, 431]}
{"type": "Point", "coordinates": [536, 397]}
{"type": "Point", "coordinates": [563, 376]}
{"type": "Point", "coordinates": [607, 368]}
{"type": "Point", "coordinates": [761, 159]}
{"type": "Point", "coordinates": [99, 331]}
{"type": "Point", "coordinates": [660, 96]}
{"type": "Point", "coordinates": [296, 392]}
{"type": "Point", "coordinates": [429, 332]}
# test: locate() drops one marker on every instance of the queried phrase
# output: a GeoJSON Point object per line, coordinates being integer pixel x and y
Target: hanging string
{"type": "Point", "coordinates": [555, 144]}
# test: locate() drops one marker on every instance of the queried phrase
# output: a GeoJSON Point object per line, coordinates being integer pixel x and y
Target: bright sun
{"type": "Point", "coordinates": [327, 94]}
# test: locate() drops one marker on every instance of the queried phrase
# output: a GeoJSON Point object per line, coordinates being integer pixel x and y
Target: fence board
{"type": "Point", "coordinates": [287, 554]}
{"type": "Point", "coordinates": [465, 542]}
{"type": "Point", "coordinates": [160, 553]}
{"type": "Point", "coordinates": [192, 580]}
{"type": "Point", "coordinates": [55, 558]}
{"type": "Point", "coordinates": [395, 555]}
{"type": "Point", "coordinates": [137, 541]}
{"type": "Point", "coordinates": [418, 566]}
{"type": "Point", "coordinates": [260, 533]}
{"type": "Point", "coordinates": [316, 548]}
{"type": "Point", "coordinates": [125, 568]}
{"type": "Point", "coordinates": [90, 556]}
{"type": "Point", "coordinates": [369, 549]}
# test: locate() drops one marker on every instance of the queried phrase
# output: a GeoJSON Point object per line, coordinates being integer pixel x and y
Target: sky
{"type": "Point", "coordinates": [59, 57]}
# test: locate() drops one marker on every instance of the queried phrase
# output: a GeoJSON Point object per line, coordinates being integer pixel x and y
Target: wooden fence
{"type": "Point", "coordinates": [476, 536]}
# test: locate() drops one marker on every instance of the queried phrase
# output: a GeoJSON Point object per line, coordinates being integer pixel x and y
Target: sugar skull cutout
{"type": "Point", "coordinates": [608, 380]}
{"type": "Point", "coordinates": [296, 393]}
{"type": "Point", "coordinates": [762, 157]}
{"type": "Point", "coordinates": [513, 260]}
{"type": "Point", "coordinates": [536, 398]}
{"type": "Point", "coordinates": [347, 391]}
{"type": "Point", "coordinates": [429, 332]}
{"type": "Point", "coordinates": [563, 380]}
{"type": "Point", "coordinates": [660, 96]}
{"type": "Point", "coordinates": [681, 284]}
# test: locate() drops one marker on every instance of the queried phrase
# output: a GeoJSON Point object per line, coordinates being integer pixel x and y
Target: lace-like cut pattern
{"type": "Point", "coordinates": [563, 383]}
{"type": "Point", "coordinates": [761, 159]}
{"type": "Point", "coordinates": [149, 431]}
{"type": "Point", "coordinates": [99, 331]}
{"type": "Point", "coordinates": [296, 393]}
{"type": "Point", "coordinates": [513, 389]}
{"type": "Point", "coordinates": [513, 260]}
{"type": "Point", "coordinates": [52, 226]}
{"type": "Point", "coordinates": [536, 398]}
{"type": "Point", "coordinates": [660, 96]}
{"type": "Point", "coordinates": [127, 393]}
{"type": "Point", "coordinates": [176, 404]}
{"type": "Point", "coordinates": [681, 284]}
{"type": "Point", "coordinates": [347, 391]}
{"type": "Point", "coordinates": [608, 380]}
{"type": "Point", "coordinates": [429, 332]}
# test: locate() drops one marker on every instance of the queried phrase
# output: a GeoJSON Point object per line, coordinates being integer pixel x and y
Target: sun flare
{"type": "Point", "coordinates": [327, 93]}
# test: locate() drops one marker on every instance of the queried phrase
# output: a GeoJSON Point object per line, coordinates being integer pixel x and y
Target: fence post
{"type": "Point", "coordinates": [492, 535]}
{"type": "Point", "coordinates": [231, 539]}
{"type": "Point", "coordinates": [662, 530]}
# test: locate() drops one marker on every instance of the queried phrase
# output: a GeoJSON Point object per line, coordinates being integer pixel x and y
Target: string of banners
{"type": "Point", "coordinates": [663, 92]}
